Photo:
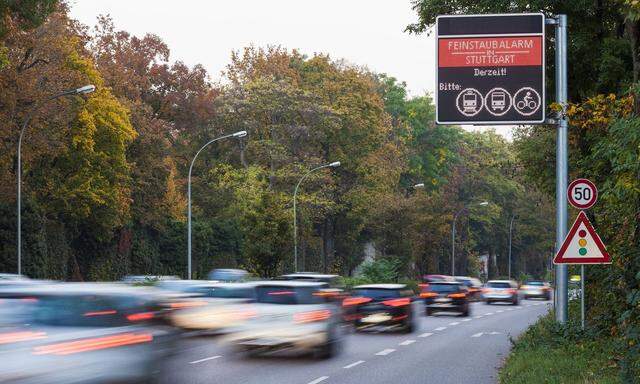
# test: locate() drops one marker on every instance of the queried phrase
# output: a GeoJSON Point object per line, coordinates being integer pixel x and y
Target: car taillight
{"type": "Point", "coordinates": [100, 313]}
{"type": "Point", "coordinates": [187, 304]}
{"type": "Point", "coordinates": [14, 337]}
{"type": "Point", "coordinates": [142, 316]}
{"type": "Point", "coordinates": [397, 302]}
{"type": "Point", "coordinates": [512, 291]}
{"type": "Point", "coordinates": [312, 316]}
{"type": "Point", "coordinates": [423, 286]}
{"type": "Point", "coordinates": [426, 295]}
{"type": "Point", "coordinates": [93, 344]}
{"type": "Point", "coordinates": [349, 301]}
{"type": "Point", "coordinates": [457, 295]}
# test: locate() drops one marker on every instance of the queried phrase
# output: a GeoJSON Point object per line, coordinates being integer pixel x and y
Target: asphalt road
{"type": "Point", "coordinates": [444, 349]}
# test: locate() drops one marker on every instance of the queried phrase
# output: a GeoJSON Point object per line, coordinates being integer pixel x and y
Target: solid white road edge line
{"type": "Point", "coordinates": [319, 379]}
{"type": "Point", "coordinates": [384, 352]}
{"type": "Point", "coordinates": [353, 364]}
{"type": "Point", "coordinates": [205, 359]}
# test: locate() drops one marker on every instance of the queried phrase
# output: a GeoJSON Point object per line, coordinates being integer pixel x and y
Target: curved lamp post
{"type": "Point", "coordinates": [295, 216]}
{"type": "Point", "coordinates": [236, 134]}
{"type": "Point", "coordinates": [77, 91]}
{"type": "Point", "coordinates": [453, 234]}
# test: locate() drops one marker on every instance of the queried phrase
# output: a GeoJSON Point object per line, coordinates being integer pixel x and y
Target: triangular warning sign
{"type": "Point", "coordinates": [582, 245]}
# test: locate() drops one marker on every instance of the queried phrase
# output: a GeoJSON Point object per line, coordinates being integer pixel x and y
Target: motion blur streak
{"type": "Point", "coordinates": [309, 317]}
{"type": "Point", "coordinates": [15, 337]}
{"type": "Point", "coordinates": [140, 316]}
{"type": "Point", "coordinates": [100, 313]}
{"type": "Point", "coordinates": [93, 344]}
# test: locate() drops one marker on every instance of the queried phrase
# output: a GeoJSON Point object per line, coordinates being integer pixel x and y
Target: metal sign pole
{"type": "Point", "coordinates": [582, 295]}
{"type": "Point", "coordinates": [561, 163]}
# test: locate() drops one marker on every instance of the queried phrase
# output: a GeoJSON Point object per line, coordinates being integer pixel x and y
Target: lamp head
{"type": "Point", "coordinates": [85, 90]}
{"type": "Point", "coordinates": [240, 134]}
{"type": "Point", "coordinates": [335, 164]}
{"type": "Point", "coordinates": [484, 203]}
{"type": "Point", "coordinates": [419, 185]}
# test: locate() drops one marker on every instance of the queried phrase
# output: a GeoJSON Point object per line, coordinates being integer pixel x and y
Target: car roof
{"type": "Point", "coordinates": [214, 284]}
{"type": "Point", "coordinates": [500, 281]}
{"type": "Point", "coordinates": [445, 283]}
{"type": "Point", "coordinates": [310, 275]}
{"type": "Point", "coordinates": [289, 283]}
{"type": "Point", "coordinates": [380, 286]}
{"type": "Point", "coordinates": [81, 288]}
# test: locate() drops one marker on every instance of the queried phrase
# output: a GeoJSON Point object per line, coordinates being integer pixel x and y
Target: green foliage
{"type": "Point", "coordinates": [553, 353]}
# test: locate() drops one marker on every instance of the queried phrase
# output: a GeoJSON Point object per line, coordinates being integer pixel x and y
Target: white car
{"type": "Point", "coordinates": [500, 291]}
{"type": "Point", "coordinates": [289, 315]}
{"type": "Point", "coordinates": [536, 289]}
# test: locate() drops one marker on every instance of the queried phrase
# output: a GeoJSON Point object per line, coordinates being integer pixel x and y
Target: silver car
{"type": "Point", "coordinates": [289, 315]}
{"type": "Point", "coordinates": [81, 333]}
{"type": "Point", "coordinates": [500, 291]}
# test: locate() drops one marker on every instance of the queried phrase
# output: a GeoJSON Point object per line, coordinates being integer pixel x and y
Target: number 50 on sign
{"type": "Point", "coordinates": [582, 193]}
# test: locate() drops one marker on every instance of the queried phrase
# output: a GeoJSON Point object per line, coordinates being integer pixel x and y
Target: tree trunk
{"type": "Point", "coordinates": [633, 34]}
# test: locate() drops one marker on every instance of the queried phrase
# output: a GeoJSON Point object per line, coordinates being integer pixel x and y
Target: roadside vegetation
{"type": "Point", "coordinates": [564, 354]}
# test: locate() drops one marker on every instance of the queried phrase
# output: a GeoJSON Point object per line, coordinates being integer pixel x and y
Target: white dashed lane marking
{"type": "Point", "coordinates": [500, 311]}
{"type": "Point", "coordinates": [454, 323]}
{"type": "Point", "coordinates": [440, 329]}
{"type": "Point", "coordinates": [426, 334]}
{"type": "Point", "coordinates": [407, 342]}
{"type": "Point", "coordinates": [477, 334]}
{"type": "Point", "coordinates": [478, 317]}
{"type": "Point", "coordinates": [384, 352]}
{"type": "Point", "coordinates": [319, 379]}
{"type": "Point", "coordinates": [353, 364]}
{"type": "Point", "coordinates": [466, 320]}
{"type": "Point", "coordinates": [205, 359]}
{"type": "Point", "coordinates": [488, 314]}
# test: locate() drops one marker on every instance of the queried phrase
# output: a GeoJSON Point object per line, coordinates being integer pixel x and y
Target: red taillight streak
{"type": "Point", "coordinates": [511, 291]}
{"type": "Point", "coordinates": [140, 316]}
{"type": "Point", "coordinates": [401, 317]}
{"type": "Point", "coordinates": [93, 344]}
{"type": "Point", "coordinates": [426, 295]}
{"type": "Point", "coordinates": [309, 317]}
{"type": "Point", "coordinates": [457, 295]}
{"type": "Point", "coordinates": [15, 337]}
{"type": "Point", "coordinates": [187, 304]}
{"type": "Point", "coordinates": [397, 302]}
{"type": "Point", "coordinates": [278, 293]}
{"type": "Point", "coordinates": [349, 301]}
{"type": "Point", "coordinates": [101, 313]}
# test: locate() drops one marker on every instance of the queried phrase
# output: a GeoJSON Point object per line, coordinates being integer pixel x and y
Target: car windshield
{"type": "Point", "coordinates": [536, 283]}
{"type": "Point", "coordinates": [377, 293]}
{"type": "Point", "coordinates": [498, 284]}
{"type": "Point", "coordinates": [75, 310]}
{"type": "Point", "coordinates": [225, 292]}
{"type": "Point", "coordinates": [287, 295]}
{"type": "Point", "coordinates": [443, 288]}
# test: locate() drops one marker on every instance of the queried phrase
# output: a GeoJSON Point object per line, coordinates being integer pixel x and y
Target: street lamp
{"type": "Point", "coordinates": [236, 134]}
{"type": "Point", "coordinates": [419, 185]}
{"type": "Point", "coordinates": [77, 91]}
{"type": "Point", "coordinates": [453, 234]}
{"type": "Point", "coordinates": [335, 164]}
{"type": "Point", "coordinates": [510, 229]}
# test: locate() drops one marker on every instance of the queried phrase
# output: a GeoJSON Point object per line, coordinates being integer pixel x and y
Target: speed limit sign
{"type": "Point", "coordinates": [582, 193]}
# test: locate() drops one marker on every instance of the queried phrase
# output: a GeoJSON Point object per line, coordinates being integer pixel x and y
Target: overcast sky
{"type": "Point", "coordinates": [363, 32]}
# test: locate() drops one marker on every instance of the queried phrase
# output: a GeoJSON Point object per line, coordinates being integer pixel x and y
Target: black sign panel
{"type": "Point", "coordinates": [490, 69]}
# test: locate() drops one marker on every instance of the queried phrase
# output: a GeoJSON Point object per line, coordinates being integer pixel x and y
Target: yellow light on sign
{"type": "Point", "coordinates": [575, 278]}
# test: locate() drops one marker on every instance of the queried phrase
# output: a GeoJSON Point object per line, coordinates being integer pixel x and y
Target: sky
{"type": "Point", "coordinates": [363, 32]}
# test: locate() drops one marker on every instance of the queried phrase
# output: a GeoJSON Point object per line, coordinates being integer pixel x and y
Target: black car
{"type": "Point", "coordinates": [380, 305]}
{"type": "Point", "coordinates": [445, 296]}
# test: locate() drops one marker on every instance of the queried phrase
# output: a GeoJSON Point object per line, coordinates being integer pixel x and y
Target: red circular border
{"type": "Point", "coordinates": [590, 203]}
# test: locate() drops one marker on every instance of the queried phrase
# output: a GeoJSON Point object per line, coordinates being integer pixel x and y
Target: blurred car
{"type": "Point", "coordinates": [501, 291]}
{"type": "Point", "coordinates": [213, 307]}
{"type": "Point", "coordinates": [432, 278]}
{"type": "Point", "coordinates": [381, 305]}
{"type": "Point", "coordinates": [79, 333]}
{"type": "Point", "coordinates": [228, 275]}
{"type": "Point", "coordinates": [12, 276]}
{"type": "Point", "coordinates": [536, 289]}
{"type": "Point", "coordinates": [146, 279]}
{"type": "Point", "coordinates": [474, 286]}
{"type": "Point", "coordinates": [289, 315]}
{"type": "Point", "coordinates": [332, 280]}
{"type": "Point", "coordinates": [445, 296]}
{"type": "Point", "coordinates": [180, 286]}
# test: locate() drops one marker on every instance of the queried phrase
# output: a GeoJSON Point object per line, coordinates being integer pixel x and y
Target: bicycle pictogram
{"type": "Point", "coordinates": [527, 101]}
